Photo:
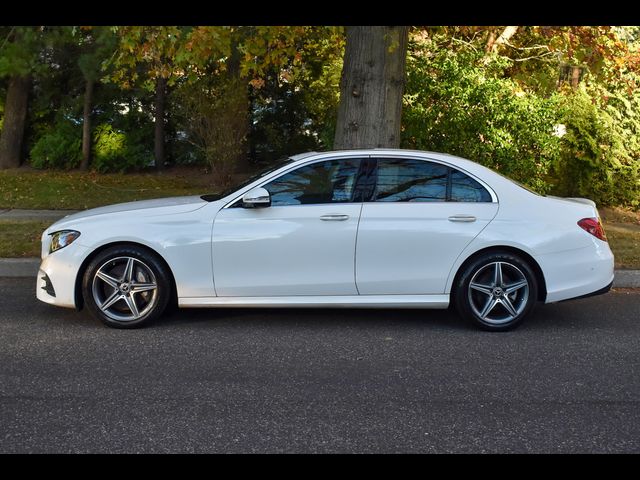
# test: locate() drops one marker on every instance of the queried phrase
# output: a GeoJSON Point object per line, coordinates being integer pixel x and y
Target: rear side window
{"type": "Point", "coordinates": [413, 180]}
{"type": "Point", "coordinates": [466, 189]}
{"type": "Point", "coordinates": [405, 180]}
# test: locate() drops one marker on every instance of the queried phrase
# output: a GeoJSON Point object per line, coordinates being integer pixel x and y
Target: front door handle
{"type": "Point", "coordinates": [334, 217]}
{"type": "Point", "coordinates": [462, 218]}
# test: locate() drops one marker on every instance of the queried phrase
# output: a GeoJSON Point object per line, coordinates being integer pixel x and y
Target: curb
{"type": "Point", "coordinates": [28, 267]}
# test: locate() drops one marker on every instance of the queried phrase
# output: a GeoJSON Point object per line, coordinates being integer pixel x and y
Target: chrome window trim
{"type": "Point", "coordinates": [323, 157]}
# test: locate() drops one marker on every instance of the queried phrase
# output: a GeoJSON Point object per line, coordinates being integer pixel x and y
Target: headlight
{"type": "Point", "coordinates": [61, 239]}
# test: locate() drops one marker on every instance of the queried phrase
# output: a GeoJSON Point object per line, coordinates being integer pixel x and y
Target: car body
{"type": "Point", "coordinates": [355, 228]}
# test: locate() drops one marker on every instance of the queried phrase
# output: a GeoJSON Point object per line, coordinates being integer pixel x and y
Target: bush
{"type": "Point", "coordinates": [599, 155]}
{"type": "Point", "coordinates": [461, 103]}
{"type": "Point", "coordinates": [114, 151]}
{"type": "Point", "coordinates": [58, 148]}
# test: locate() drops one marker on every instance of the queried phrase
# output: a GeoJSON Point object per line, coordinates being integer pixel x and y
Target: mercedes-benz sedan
{"type": "Point", "coordinates": [359, 228]}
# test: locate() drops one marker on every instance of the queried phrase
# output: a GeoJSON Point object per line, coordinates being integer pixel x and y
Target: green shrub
{"type": "Point", "coordinates": [58, 148]}
{"type": "Point", "coordinates": [599, 155]}
{"type": "Point", "coordinates": [461, 103]}
{"type": "Point", "coordinates": [113, 151]}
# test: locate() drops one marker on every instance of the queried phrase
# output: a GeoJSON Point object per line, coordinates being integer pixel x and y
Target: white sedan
{"type": "Point", "coordinates": [360, 228]}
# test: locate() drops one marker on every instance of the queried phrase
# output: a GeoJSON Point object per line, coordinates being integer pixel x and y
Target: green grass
{"type": "Point", "coordinates": [21, 238]}
{"type": "Point", "coordinates": [34, 189]}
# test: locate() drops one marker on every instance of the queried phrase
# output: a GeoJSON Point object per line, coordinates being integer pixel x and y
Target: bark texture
{"type": "Point", "coordinates": [15, 116]}
{"type": "Point", "coordinates": [86, 125]}
{"type": "Point", "coordinates": [371, 88]}
{"type": "Point", "coordinates": [161, 95]}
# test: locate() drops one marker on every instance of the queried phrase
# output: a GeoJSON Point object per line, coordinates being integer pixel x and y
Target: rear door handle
{"type": "Point", "coordinates": [334, 217]}
{"type": "Point", "coordinates": [462, 218]}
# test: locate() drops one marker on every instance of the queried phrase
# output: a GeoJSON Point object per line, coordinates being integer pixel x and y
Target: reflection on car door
{"type": "Point", "coordinates": [420, 217]}
{"type": "Point", "coordinates": [303, 244]}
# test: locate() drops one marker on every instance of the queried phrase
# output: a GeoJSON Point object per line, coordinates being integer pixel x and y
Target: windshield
{"type": "Point", "coordinates": [211, 197]}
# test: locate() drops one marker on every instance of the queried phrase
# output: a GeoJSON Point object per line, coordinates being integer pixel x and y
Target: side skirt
{"type": "Point", "coordinates": [302, 301]}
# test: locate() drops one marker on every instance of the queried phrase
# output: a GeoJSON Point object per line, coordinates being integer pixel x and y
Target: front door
{"type": "Point", "coordinates": [303, 244]}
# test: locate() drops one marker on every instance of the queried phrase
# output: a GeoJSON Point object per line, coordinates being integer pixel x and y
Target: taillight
{"type": "Point", "coordinates": [594, 227]}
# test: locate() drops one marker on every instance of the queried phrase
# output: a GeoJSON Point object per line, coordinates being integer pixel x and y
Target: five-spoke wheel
{"type": "Point", "coordinates": [496, 291]}
{"type": "Point", "coordinates": [126, 286]}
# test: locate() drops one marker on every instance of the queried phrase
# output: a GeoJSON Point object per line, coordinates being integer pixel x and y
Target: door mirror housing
{"type": "Point", "coordinates": [256, 198]}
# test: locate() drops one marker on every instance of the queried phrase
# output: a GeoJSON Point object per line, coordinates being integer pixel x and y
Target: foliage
{"type": "Point", "coordinates": [114, 151]}
{"type": "Point", "coordinates": [217, 122]}
{"type": "Point", "coordinates": [600, 158]}
{"type": "Point", "coordinates": [60, 148]}
{"type": "Point", "coordinates": [457, 102]}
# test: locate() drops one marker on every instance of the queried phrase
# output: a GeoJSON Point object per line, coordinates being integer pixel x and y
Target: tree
{"type": "Point", "coordinates": [17, 58]}
{"type": "Point", "coordinates": [371, 88]}
{"type": "Point", "coordinates": [96, 44]}
{"type": "Point", "coordinates": [150, 52]}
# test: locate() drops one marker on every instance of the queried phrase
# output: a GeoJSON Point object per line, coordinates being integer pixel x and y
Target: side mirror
{"type": "Point", "coordinates": [256, 198]}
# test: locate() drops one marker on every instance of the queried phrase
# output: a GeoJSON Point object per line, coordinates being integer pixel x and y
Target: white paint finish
{"type": "Point", "coordinates": [61, 267]}
{"type": "Point", "coordinates": [295, 253]}
{"type": "Point", "coordinates": [182, 239]}
{"type": "Point", "coordinates": [408, 248]}
{"type": "Point", "coordinates": [336, 301]}
{"type": "Point", "coordinates": [574, 273]}
{"type": "Point", "coordinates": [285, 250]}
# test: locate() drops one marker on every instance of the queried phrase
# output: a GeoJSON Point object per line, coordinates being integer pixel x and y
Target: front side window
{"type": "Point", "coordinates": [331, 181]}
{"type": "Point", "coordinates": [406, 180]}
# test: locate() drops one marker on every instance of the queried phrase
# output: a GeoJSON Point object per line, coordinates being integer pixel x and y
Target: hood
{"type": "Point", "coordinates": [159, 206]}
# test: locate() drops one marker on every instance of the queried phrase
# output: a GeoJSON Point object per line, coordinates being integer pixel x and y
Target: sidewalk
{"type": "Point", "coordinates": [44, 215]}
{"type": "Point", "coordinates": [28, 267]}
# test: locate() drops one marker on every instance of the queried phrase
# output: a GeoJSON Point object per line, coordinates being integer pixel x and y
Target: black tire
{"type": "Point", "coordinates": [123, 274]}
{"type": "Point", "coordinates": [502, 299]}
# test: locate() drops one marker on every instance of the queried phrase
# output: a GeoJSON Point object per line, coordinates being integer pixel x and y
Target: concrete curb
{"type": "Point", "coordinates": [28, 267]}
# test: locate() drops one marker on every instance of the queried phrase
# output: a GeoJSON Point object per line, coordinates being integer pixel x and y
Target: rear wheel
{"type": "Point", "coordinates": [126, 287]}
{"type": "Point", "coordinates": [496, 291]}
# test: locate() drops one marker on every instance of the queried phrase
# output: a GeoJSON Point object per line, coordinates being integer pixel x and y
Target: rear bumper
{"type": "Point", "coordinates": [602, 291]}
{"type": "Point", "coordinates": [578, 273]}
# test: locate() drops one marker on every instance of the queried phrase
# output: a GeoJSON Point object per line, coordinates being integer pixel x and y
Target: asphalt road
{"type": "Point", "coordinates": [319, 381]}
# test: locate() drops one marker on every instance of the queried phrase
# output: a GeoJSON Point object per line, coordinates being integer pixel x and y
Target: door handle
{"type": "Point", "coordinates": [462, 218]}
{"type": "Point", "coordinates": [335, 217]}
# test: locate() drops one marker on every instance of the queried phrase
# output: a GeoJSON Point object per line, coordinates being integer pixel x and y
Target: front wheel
{"type": "Point", "coordinates": [496, 291]}
{"type": "Point", "coordinates": [126, 287]}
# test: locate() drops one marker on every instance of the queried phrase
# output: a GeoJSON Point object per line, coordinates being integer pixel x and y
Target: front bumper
{"type": "Point", "coordinates": [61, 269]}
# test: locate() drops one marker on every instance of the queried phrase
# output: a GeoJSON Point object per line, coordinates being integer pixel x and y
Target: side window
{"type": "Point", "coordinates": [322, 182]}
{"type": "Point", "coordinates": [466, 189]}
{"type": "Point", "coordinates": [407, 180]}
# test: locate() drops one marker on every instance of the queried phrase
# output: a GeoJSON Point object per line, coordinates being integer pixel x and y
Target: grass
{"type": "Point", "coordinates": [622, 227]}
{"type": "Point", "coordinates": [35, 189]}
{"type": "Point", "coordinates": [21, 238]}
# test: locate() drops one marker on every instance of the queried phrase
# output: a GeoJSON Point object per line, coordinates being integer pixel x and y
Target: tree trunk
{"type": "Point", "coordinates": [371, 88]}
{"type": "Point", "coordinates": [15, 116]}
{"type": "Point", "coordinates": [86, 125]}
{"type": "Point", "coordinates": [241, 93]}
{"type": "Point", "coordinates": [161, 94]}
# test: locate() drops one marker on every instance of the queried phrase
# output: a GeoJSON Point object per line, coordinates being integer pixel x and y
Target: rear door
{"type": "Point", "coordinates": [419, 217]}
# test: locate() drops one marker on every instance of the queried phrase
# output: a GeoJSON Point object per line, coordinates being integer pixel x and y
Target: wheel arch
{"type": "Point", "coordinates": [79, 299]}
{"type": "Point", "coordinates": [537, 270]}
